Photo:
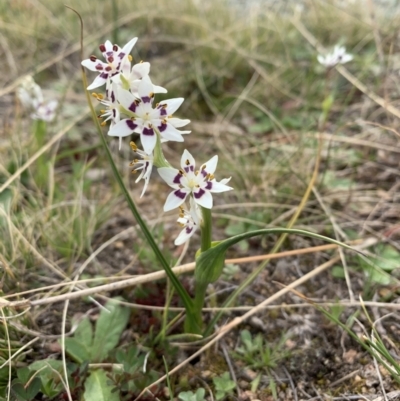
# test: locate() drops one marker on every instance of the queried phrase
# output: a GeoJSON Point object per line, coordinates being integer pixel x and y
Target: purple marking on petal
{"type": "Point", "coordinates": [131, 125]}
{"type": "Point", "coordinates": [115, 48]}
{"type": "Point", "coordinates": [163, 111]}
{"type": "Point", "coordinates": [177, 179]}
{"type": "Point", "coordinates": [132, 107]}
{"type": "Point", "coordinates": [203, 172]}
{"type": "Point", "coordinates": [112, 96]}
{"type": "Point", "coordinates": [146, 99]}
{"type": "Point", "coordinates": [209, 185]}
{"type": "Point", "coordinates": [121, 55]}
{"type": "Point", "coordinates": [162, 127]}
{"type": "Point", "coordinates": [199, 194]}
{"type": "Point", "coordinates": [178, 193]}
{"type": "Point", "coordinates": [114, 113]}
{"type": "Point", "coordinates": [108, 54]}
{"type": "Point", "coordinates": [99, 67]}
{"type": "Point", "coordinates": [108, 68]}
{"type": "Point", "coordinates": [188, 230]}
{"type": "Point", "coordinates": [102, 48]}
{"type": "Point", "coordinates": [104, 75]}
{"type": "Point", "coordinates": [189, 168]}
{"type": "Point", "coordinates": [110, 59]}
{"type": "Point", "coordinates": [148, 131]}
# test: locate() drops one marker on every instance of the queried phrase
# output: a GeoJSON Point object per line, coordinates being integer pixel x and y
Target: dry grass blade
{"type": "Point", "coordinates": [151, 277]}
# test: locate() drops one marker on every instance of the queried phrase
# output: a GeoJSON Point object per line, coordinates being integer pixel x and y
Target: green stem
{"type": "Point", "coordinates": [42, 168]}
{"type": "Point", "coordinates": [159, 159]}
{"type": "Point", "coordinates": [206, 229]}
{"type": "Point", "coordinates": [201, 287]}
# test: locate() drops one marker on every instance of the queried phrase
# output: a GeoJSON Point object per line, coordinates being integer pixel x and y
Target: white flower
{"type": "Point", "coordinates": [338, 56]}
{"type": "Point", "coordinates": [145, 120]}
{"type": "Point", "coordinates": [146, 165]}
{"type": "Point", "coordinates": [189, 221]}
{"type": "Point", "coordinates": [29, 94]}
{"type": "Point", "coordinates": [31, 97]}
{"type": "Point", "coordinates": [45, 111]}
{"type": "Point", "coordinates": [187, 181]}
{"type": "Point", "coordinates": [115, 59]}
{"type": "Point", "coordinates": [129, 78]}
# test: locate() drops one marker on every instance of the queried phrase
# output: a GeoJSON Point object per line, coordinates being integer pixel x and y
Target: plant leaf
{"type": "Point", "coordinates": [98, 389]}
{"type": "Point", "coordinates": [47, 373]}
{"type": "Point", "coordinates": [109, 327]}
{"type": "Point", "coordinates": [19, 390]}
{"type": "Point", "coordinates": [210, 263]}
{"type": "Point", "coordinates": [84, 333]}
{"type": "Point", "coordinates": [77, 351]}
{"type": "Point", "coordinates": [34, 387]}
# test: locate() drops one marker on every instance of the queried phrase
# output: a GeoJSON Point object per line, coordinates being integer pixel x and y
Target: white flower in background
{"type": "Point", "coordinates": [29, 93]}
{"type": "Point", "coordinates": [129, 78]}
{"type": "Point", "coordinates": [146, 120]}
{"type": "Point", "coordinates": [189, 221]}
{"type": "Point", "coordinates": [115, 58]}
{"type": "Point", "coordinates": [187, 180]}
{"type": "Point", "coordinates": [338, 56]}
{"type": "Point", "coordinates": [31, 97]}
{"type": "Point", "coordinates": [146, 165]}
{"type": "Point", "coordinates": [46, 111]}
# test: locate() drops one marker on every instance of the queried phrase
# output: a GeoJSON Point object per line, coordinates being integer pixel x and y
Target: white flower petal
{"type": "Point", "coordinates": [91, 65]}
{"type": "Point", "coordinates": [225, 180]}
{"type": "Point", "coordinates": [175, 199]}
{"type": "Point", "coordinates": [108, 47]}
{"type": "Point", "coordinates": [169, 174]}
{"type": "Point", "coordinates": [170, 133]}
{"type": "Point", "coordinates": [122, 128]}
{"type": "Point", "coordinates": [139, 70]}
{"type": "Point", "coordinates": [218, 187]}
{"type": "Point", "coordinates": [98, 81]}
{"type": "Point", "coordinates": [125, 97]}
{"type": "Point", "coordinates": [204, 198]}
{"type": "Point", "coordinates": [211, 165]}
{"type": "Point", "coordinates": [178, 122]}
{"type": "Point", "coordinates": [172, 104]}
{"type": "Point", "coordinates": [186, 156]}
{"type": "Point", "coordinates": [129, 46]}
{"type": "Point", "coordinates": [148, 142]}
{"type": "Point", "coordinates": [145, 87]}
{"type": "Point", "coordinates": [159, 89]}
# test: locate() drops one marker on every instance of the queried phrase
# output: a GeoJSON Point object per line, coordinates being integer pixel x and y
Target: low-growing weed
{"type": "Point", "coordinates": [224, 386]}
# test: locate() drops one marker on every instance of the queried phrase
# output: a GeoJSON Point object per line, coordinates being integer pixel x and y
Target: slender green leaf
{"type": "Point", "coordinates": [210, 263]}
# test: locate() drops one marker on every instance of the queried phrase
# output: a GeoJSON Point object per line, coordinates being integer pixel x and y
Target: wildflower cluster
{"type": "Point", "coordinates": [31, 97]}
{"type": "Point", "coordinates": [129, 107]}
